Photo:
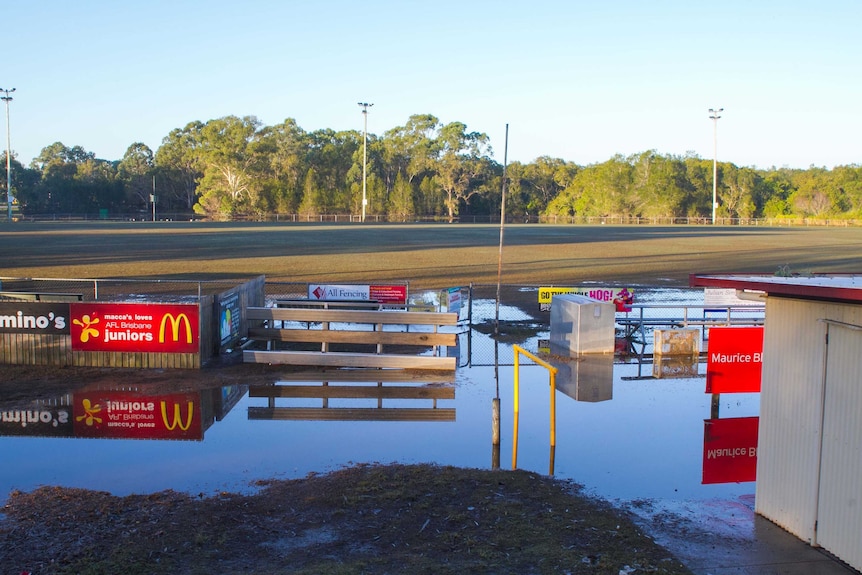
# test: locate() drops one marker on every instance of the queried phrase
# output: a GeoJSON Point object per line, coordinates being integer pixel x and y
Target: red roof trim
{"type": "Point", "coordinates": [788, 288]}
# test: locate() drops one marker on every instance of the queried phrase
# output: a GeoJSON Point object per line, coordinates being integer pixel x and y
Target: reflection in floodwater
{"type": "Point", "coordinates": [106, 413]}
{"type": "Point", "coordinates": [394, 401]}
{"type": "Point", "coordinates": [624, 430]}
{"type": "Point", "coordinates": [586, 378]}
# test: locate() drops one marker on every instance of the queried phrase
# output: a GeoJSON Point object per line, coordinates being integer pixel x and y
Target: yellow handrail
{"type": "Point", "coordinates": [552, 372]}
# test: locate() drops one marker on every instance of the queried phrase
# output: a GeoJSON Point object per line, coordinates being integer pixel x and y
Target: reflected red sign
{"type": "Point", "coordinates": [118, 415]}
{"type": "Point", "coordinates": [131, 327]}
{"type": "Point", "coordinates": [730, 450]}
{"type": "Point", "coordinates": [734, 359]}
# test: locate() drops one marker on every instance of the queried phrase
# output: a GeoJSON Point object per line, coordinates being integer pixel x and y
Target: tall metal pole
{"type": "Point", "coordinates": [502, 225]}
{"type": "Point", "coordinates": [7, 98]}
{"type": "Point", "coordinates": [714, 116]}
{"type": "Point", "coordinates": [365, 106]}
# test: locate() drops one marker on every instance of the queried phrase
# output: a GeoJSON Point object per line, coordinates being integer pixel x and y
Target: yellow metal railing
{"type": "Point", "coordinates": [552, 372]}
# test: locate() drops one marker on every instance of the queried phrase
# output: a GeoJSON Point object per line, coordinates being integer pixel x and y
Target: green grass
{"type": "Point", "coordinates": [427, 255]}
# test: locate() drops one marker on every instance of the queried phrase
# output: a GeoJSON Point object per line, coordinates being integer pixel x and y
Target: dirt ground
{"type": "Point", "coordinates": [363, 519]}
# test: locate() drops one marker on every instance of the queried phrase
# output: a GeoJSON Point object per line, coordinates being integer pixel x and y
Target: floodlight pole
{"type": "Point", "coordinates": [7, 98]}
{"type": "Point", "coordinates": [714, 116]}
{"type": "Point", "coordinates": [365, 106]}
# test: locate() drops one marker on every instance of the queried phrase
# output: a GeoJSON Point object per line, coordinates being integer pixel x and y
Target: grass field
{"type": "Point", "coordinates": [427, 255]}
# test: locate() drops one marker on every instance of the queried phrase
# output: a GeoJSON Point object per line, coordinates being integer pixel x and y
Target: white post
{"type": "Point", "coordinates": [365, 106]}
{"type": "Point", "coordinates": [714, 117]}
{"type": "Point", "coordinates": [7, 98]}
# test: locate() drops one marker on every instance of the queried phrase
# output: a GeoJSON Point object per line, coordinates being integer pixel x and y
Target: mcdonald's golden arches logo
{"type": "Point", "coordinates": [180, 320]}
{"type": "Point", "coordinates": [176, 419]}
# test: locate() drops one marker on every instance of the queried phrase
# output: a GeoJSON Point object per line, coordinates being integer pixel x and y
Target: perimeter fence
{"type": "Point", "coordinates": [492, 317]}
{"type": "Point", "coordinates": [115, 289]}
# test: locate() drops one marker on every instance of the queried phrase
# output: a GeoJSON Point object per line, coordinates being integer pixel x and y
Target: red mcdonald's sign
{"type": "Point", "coordinates": [734, 359]}
{"type": "Point", "coordinates": [132, 327]}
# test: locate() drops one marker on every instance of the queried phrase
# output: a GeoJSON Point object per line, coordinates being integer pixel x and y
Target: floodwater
{"type": "Point", "coordinates": [647, 441]}
{"type": "Point", "coordinates": [621, 433]}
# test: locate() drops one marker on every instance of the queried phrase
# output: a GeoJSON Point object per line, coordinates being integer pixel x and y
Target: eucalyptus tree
{"type": "Point", "coordinates": [284, 152]}
{"type": "Point", "coordinates": [228, 185]}
{"type": "Point", "coordinates": [848, 179]}
{"type": "Point", "coordinates": [659, 187]}
{"type": "Point", "coordinates": [179, 165]}
{"type": "Point", "coordinates": [542, 180]}
{"type": "Point", "coordinates": [136, 172]}
{"type": "Point", "coordinates": [816, 194]}
{"type": "Point", "coordinates": [401, 207]}
{"type": "Point", "coordinates": [25, 183]}
{"type": "Point", "coordinates": [332, 155]}
{"type": "Point", "coordinates": [73, 180]}
{"type": "Point", "coordinates": [462, 158]}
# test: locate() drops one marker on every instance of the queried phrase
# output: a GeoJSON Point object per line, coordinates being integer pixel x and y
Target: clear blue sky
{"type": "Point", "coordinates": [578, 80]}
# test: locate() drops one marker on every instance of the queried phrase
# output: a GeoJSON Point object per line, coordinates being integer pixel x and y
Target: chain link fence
{"type": "Point", "coordinates": [108, 290]}
{"type": "Point", "coordinates": [491, 316]}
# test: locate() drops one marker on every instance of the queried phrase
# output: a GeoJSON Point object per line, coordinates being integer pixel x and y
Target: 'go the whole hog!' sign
{"type": "Point", "coordinates": [734, 360]}
{"type": "Point", "coordinates": [132, 327]}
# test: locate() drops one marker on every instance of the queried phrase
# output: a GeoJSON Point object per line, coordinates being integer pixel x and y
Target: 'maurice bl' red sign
{"type": "Point", "coordinates": [735, 357]}
{"type": "Point", "coordinates": [153, 328]}
{"type": "Point", "coordinates": [119, 415]}
{"type": "Point", "coordinates": [730, 449]}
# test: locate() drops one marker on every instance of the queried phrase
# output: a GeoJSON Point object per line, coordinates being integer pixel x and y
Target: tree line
{"type": "Point", "coordinates": [232, 166]}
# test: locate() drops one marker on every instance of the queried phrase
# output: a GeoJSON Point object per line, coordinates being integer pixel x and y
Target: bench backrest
{"type": "Point", "coordinates": [352, 316]}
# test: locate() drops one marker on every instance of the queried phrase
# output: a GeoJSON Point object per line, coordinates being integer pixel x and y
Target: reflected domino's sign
{"type": "Point", "coordinates": [133, 327]}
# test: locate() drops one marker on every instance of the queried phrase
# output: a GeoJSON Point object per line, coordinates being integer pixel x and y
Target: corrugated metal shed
{"type": "Point", "coordinates": [809, 468]}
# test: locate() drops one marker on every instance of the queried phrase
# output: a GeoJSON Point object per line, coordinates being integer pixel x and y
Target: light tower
{"type": "Point", "coordinates": [365, 106]}
{"type": "Point", "coordinates": [7, 98]}
{"type": "Point", "coordinates": [714, 116]}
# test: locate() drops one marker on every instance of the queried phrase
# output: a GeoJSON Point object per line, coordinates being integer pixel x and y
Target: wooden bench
{"type": "Point", "coordinates": [325, 336]}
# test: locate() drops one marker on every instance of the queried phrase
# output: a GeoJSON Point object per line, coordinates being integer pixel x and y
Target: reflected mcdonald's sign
{"type": "Point", "coordinates": [129, 415]}
{"type": "Point", "coordinates": [176, 420]}
{"type": "Point", "coordinates": [176, 322]}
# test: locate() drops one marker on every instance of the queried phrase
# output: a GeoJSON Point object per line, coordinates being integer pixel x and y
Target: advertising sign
{"type": "Point", "coordinates": [36, 318]}
{"type": "Point", "coordinates": [734, 359]}
{"type": "Point", "coordinates": [229, 318]}
{"type": "Point", "coordinates": [122, 415]}
{"type": "Point", "coordinates": [37, 421]}
{"type": "Point", "coordinates": [389, 294]}
{"type": "Point", "coordinates": [730, 450]}
{"type": "Point", "coordinates": [727, 297]}
{"type": "Point", "coordinates": [453, 299]}
{"type": "Point", "coordinates": [133, 327]}
{"type": "Point", "coordinates": [622, 298]}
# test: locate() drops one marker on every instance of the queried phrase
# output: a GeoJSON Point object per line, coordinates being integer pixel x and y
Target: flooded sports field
{"type": "Point", "coordinates": [623, 433]}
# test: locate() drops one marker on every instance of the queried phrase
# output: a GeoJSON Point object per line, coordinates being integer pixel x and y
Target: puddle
{"type": "Point", "coordinates": [621, 438]}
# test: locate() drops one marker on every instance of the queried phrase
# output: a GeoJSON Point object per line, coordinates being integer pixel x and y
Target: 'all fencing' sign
{"type": "Point", "coordinates": [734, 360]}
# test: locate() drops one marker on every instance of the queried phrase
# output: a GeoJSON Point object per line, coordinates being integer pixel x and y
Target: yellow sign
{"type": "Point", "coordinates": [546, 293]}
{"type": "Point", "coordinates": [621, 297]}
{"type": "Point", "coordinates": [177, 419]}
{"type": "Point", "coordinates": [175, 327]}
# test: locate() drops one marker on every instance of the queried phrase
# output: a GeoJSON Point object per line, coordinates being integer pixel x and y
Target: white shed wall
{"type": "Point", "coordinates": [788, 448]}
{"type": "Point", "coordinates": [792, 411]}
